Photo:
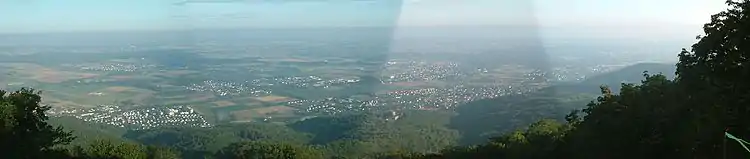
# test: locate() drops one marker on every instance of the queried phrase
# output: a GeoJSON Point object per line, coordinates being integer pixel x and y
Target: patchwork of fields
{"type": "Point", "coordinates": [118, 82]}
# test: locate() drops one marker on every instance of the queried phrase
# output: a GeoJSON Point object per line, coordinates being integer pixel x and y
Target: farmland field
{"type": "Point", "coordinates": [260, 113]}
{"type": "Point", "coordinates": [291, 83]}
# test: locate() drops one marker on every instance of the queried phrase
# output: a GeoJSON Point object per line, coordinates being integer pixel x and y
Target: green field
{"type": "Point", "coordinates": [74, 84]}
{"type": "Point", "coordinates": [96, 94]}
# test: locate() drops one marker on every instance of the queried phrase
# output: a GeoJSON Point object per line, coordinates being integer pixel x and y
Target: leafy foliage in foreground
{"type": "Point", "coordinates": [266, 150]}
{"type": "Point", "coordinates": [24, 131]}
{"type": "Point", "coordinates": [347, 136]}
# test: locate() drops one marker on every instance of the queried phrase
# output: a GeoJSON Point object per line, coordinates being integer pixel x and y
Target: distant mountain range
{"type": "Point", "coordinates": [629, 74]}
{"type": "Point", "coordinates": [632, 74]}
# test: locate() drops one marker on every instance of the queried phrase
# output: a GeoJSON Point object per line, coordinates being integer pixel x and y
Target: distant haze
{"type": "Point", "coordinates": [465, 26]}
{"type": "Point", "coordinates": [28, 16]}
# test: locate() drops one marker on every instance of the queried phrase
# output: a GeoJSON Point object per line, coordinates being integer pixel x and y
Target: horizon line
{"type": "Point", "coordinates": [532, 26]}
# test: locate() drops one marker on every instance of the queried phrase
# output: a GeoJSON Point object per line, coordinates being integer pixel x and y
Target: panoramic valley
{"type": "Point", "coordinates": [414, 79]}
{"type": "Point", "coordinates": [273, 80]}
{"type": "Point", "coordinates": [306, 89]}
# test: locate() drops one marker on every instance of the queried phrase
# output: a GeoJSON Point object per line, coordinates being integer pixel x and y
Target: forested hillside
{"type": "Point", "coordinates": [687, 117]}
{"type": "Point", "coordinates": [660, 117]}
{"type": "Point", "coordinates": [477, 121]}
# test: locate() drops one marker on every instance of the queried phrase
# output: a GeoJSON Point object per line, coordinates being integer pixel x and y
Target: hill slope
{"type": "Point", "coordinates": [629, 74]}
{"type": "Point", "coordinates": [479, 120]}
{"type": "Point", "coordinates": [632, 74]}
{"type": "Point", "coordinates": [87, 132]}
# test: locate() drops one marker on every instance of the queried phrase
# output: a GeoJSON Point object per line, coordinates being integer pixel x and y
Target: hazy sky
{"type": "Point", "coordinates": [23, 16]}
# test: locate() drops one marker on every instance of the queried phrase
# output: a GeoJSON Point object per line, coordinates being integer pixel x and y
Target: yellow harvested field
{"type": "Point", "coordinates": [273, 98]}
{"type": "Point", "coordinates": [47, 75]}
{"type": "Point", "coordinates": [189, 99]}
{"type": "Point", "coordinates": [250, 114]}
{"type": "Point", "coordinates": [46, 99]}
{"type": "Point", "coordinates": [272, 109]}
{"type": "Point", "coordinates": [52, 76]}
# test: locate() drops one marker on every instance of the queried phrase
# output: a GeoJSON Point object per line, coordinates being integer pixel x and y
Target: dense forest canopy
{"type": "Point", "coordinates": [661, 117]}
